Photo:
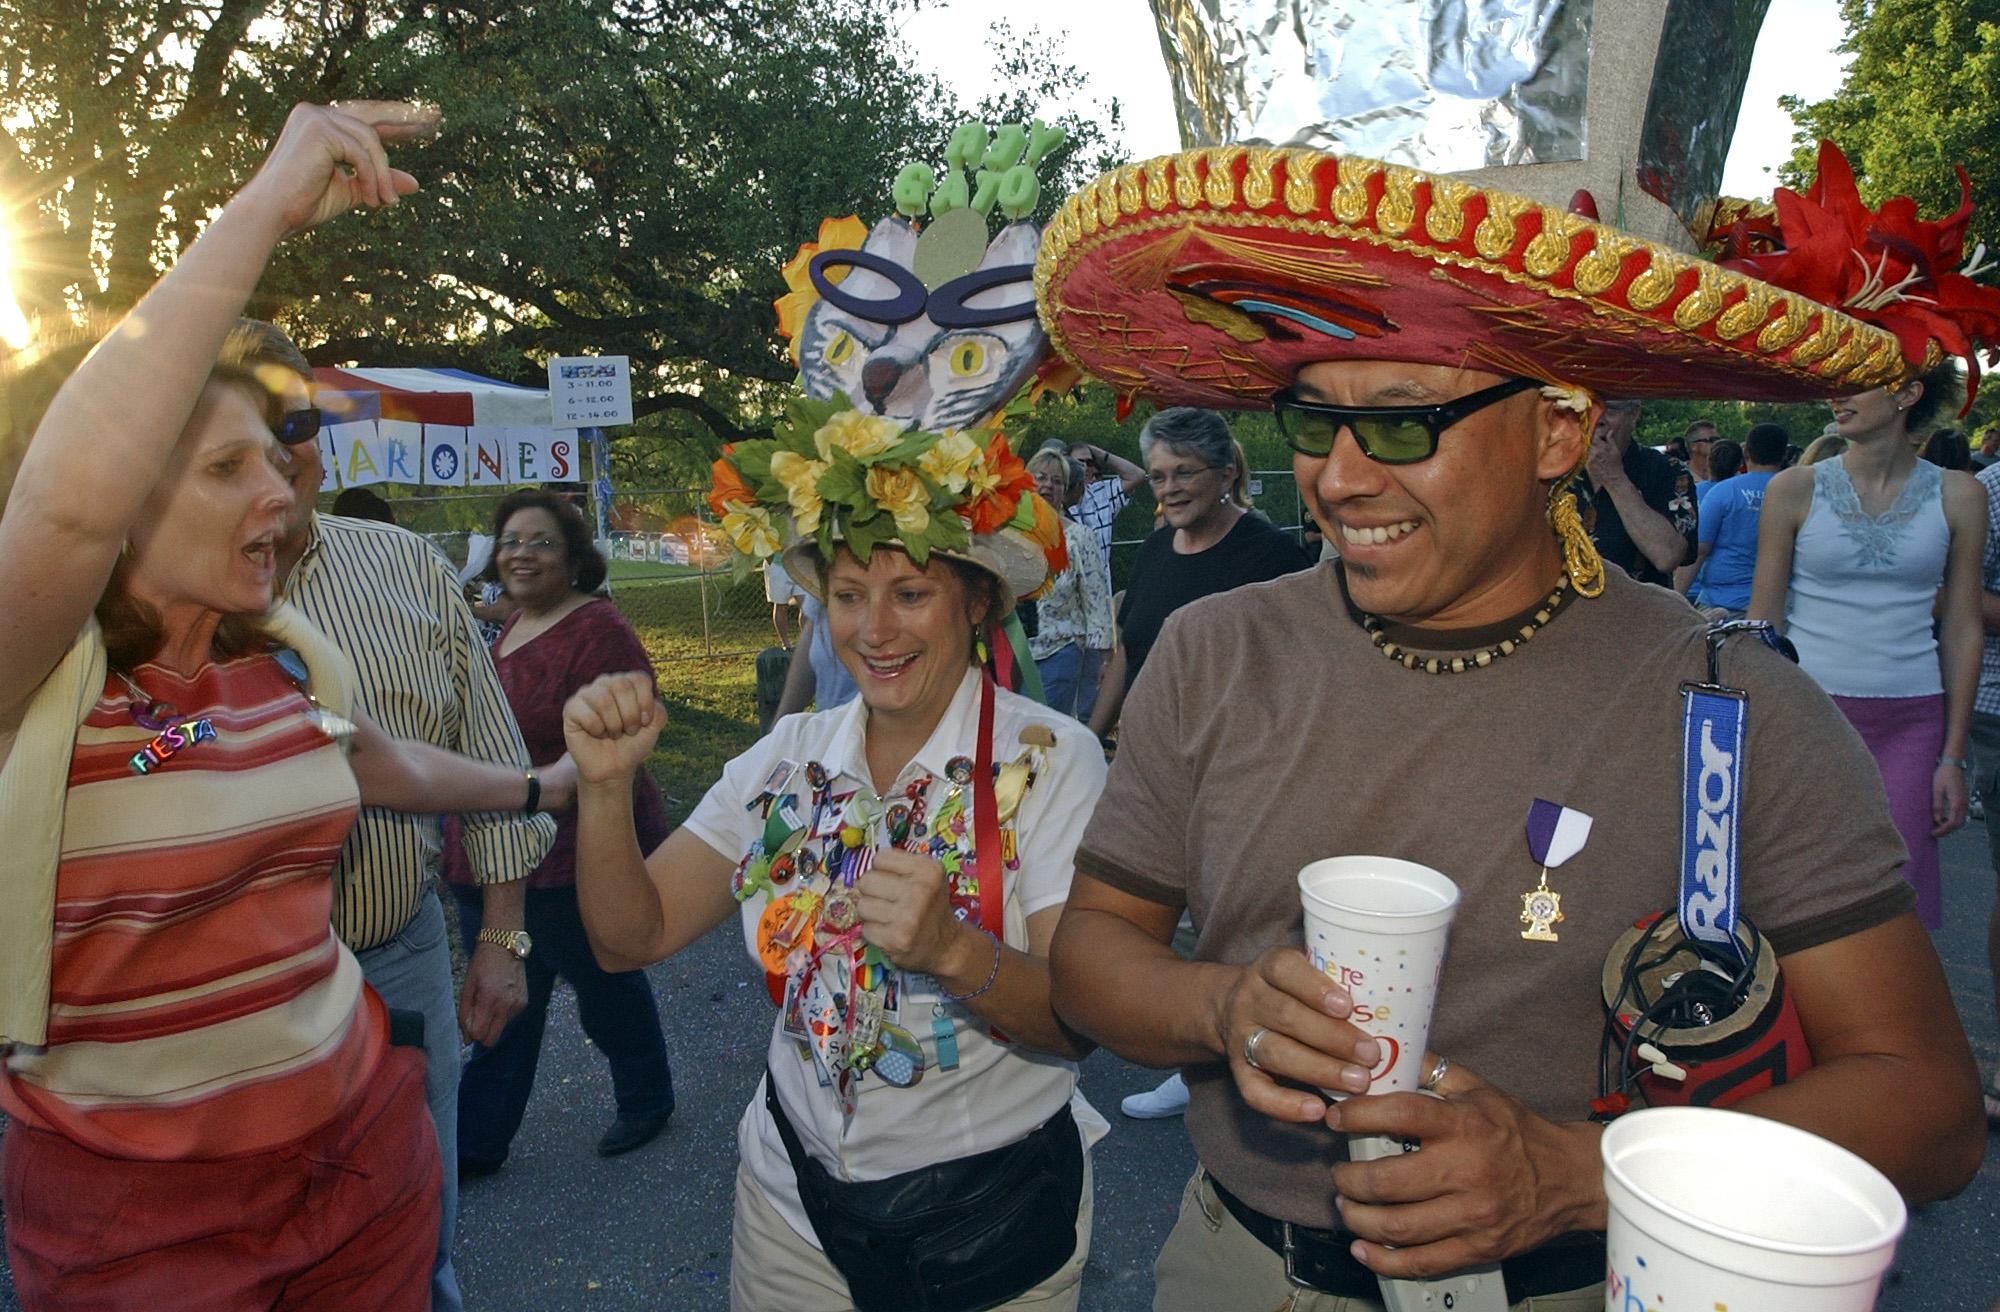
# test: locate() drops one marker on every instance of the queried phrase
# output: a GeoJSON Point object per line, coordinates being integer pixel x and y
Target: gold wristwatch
{"type": "Point", "coordinates": [515, 941]}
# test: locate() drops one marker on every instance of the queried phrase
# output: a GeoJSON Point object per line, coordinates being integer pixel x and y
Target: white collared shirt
{"type": "Point", "coordinates": [999, 1092]}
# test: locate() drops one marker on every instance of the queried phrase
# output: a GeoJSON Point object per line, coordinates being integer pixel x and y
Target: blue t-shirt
{"type": "Point", "coordinates": [1729, 528]}
{"type": "Point", "coordinates": [832, 684]}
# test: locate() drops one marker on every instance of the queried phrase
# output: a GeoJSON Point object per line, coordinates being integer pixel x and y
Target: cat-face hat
{"type": "Point", "coordinates": [910, 340]}
{"type": "Point", "coordinates": [1211, 276]}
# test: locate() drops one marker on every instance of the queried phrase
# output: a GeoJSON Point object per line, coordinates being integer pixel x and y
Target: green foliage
{"type": "Point", "coordinates": [614, 176]}
{"type": "Point", "coordinates": [1917, 100]}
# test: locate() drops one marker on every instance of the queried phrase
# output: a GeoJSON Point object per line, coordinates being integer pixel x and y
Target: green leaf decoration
{"type": "Point", "coordinates": [844, 480]}
{"type": "Point", "coordinates": [862, 535]}
{"type": "Point", "coordinates": [950, 533]}
{"type": "Point", "coordinates": [912, 447]}
{"type": "Point", "coordinates": [753, 461]}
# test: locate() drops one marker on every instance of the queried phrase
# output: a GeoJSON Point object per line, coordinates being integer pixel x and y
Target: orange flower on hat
{"type": "Point", "coordinates": [727, 485]}
{"type": "Point", "coordinates": [844, 234]}
{"type": "Point", "coordinates": [1047, 533]}
{"type": "Point", "coordinates": [997, 483]}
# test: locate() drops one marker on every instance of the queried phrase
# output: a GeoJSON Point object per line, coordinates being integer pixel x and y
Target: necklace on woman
{"type": "Point", "coordinates": [170, 734]}
{"type": "Point", "coordinates": [1475, 660]}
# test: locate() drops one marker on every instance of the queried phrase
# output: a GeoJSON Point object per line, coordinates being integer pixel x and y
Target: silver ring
{"type": "Point", "coordinates": [1439, 1069]}
{"type": "Point", "coordinates": [1250, 1042]}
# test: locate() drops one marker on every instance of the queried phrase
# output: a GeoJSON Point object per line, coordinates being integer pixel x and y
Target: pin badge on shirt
{"type": "Point", "coordinates": [1555, 834]}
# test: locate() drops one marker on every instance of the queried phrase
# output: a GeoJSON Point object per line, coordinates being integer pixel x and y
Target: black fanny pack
{"type": "Point", "coordinates": [959, 1236]}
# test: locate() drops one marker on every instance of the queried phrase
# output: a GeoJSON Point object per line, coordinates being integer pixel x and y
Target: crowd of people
{"type": "Point", "coordinates": [233, 725]}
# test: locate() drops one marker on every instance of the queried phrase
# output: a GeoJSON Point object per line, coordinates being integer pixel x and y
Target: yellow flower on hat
{"type": "Point", "coordinates": [846, 234]}
{"type": "Point", "coordinates": [857, 434]}
{"type": "Point", "coordinates": [751, 531]}
{"type": "Point", "coordinates": [800, 478]}
{"type": "Point", "coordinates": [950, 462]}
{"type": "Point", "coordinates": [903, 494]}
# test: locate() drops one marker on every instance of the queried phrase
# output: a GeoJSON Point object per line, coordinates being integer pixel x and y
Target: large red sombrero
{"type": "Point", "coordinates": [1209, 277]}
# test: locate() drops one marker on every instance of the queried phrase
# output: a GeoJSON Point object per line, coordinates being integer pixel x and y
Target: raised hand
{"type": "Point", "coordinates": [611, 724]}
{"type": "Point", "coordinates": [331, 158]}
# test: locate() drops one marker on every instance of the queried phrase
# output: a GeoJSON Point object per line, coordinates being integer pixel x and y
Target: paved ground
{"type": "Point", "coordinates": [559, 1229]}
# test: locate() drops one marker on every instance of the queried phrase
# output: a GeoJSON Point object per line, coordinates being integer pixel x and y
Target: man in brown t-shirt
{"type": "Point", "coordinates": [1275, 726]}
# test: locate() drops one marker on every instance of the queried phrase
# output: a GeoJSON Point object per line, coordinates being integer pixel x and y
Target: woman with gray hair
{"type": "Point", "coordinates": [1207, 542]}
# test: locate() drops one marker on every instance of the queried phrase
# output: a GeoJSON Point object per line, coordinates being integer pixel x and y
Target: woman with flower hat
{"type": "Point", "coordinates": [899, 865]}
{"type": "Point", "coordinates": [1471, 690]}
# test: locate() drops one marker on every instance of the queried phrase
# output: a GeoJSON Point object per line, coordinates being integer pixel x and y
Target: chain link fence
{"type": "Point", "coordinates": [670, 571]}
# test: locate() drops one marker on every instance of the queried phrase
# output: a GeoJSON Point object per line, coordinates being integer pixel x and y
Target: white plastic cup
{"type": "Point", "coordinates": [1377, 926]}
{"type": "Point", "coordinates": [1719, 1209]}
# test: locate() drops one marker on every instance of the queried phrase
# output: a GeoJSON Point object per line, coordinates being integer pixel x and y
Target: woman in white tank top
{"type": "Point", "coordinates": [1851, 555]}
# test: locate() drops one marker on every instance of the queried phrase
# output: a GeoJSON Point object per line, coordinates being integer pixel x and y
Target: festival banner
{"type": "Point", "coordinates": [354, 462]}
{"type": "Point", "coordinates": [486, 456]}
{"type": "Point", "coordinates": [444, 455]}
{"type": "Point", "coordinates": [398, 446]}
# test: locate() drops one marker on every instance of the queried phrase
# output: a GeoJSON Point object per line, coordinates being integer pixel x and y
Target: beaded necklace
{"type": "Point", "coordinates": [1477, 660]}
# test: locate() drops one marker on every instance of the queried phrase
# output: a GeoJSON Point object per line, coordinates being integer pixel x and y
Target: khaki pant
{"type": "Point", "coordinates": [773, 1269]}
{"type": "Point", "coordinates": [1211, 1262]}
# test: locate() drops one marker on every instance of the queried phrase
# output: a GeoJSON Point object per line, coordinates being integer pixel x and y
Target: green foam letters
{"type": "Point", "coordinates": [1005, 152]}
{"type": "Point", "coordinates": [912, 189]}
{"type": "Point", "coordinates": [967, 146]}
{"type": "Point", "coordinates": [950, 194]}
{"type": "Point", "coordinates": [1019, 190]}
{"type": "Point", "coordinates": [1041, 140]}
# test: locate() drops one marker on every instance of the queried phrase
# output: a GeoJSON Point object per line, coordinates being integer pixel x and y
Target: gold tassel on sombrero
{"type": "Point", "coordinates": [1580, 558]}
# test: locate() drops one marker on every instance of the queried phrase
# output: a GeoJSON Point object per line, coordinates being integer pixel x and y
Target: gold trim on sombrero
{"type": "Point", "coordinates": [1454, 223]}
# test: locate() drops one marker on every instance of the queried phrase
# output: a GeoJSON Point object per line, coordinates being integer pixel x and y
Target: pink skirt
{"type": "Point", "coordinates": [1906, 736]}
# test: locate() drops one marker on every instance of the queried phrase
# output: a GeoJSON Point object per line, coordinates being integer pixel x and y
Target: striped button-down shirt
{"type": "Point", "coordinates": [391, 601]}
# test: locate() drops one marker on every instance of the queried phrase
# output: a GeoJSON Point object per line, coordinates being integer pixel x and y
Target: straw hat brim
{"type": "Point", "coordinates": [1016, 564]}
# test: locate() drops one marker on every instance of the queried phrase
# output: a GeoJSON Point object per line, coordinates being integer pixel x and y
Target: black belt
{"type": "Point", "coordinates": [1319, 1259]}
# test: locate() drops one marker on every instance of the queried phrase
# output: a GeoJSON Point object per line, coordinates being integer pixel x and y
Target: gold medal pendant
{"type": "Point", "coordinates": [1541, 909]}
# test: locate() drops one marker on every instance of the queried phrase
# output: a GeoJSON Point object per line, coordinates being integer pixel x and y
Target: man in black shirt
{"type": "Point", "coordinates": [1645, 520]}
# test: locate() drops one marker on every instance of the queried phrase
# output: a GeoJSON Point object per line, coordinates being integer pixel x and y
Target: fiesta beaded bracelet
{"type": "Point", "coordinates": [991, 975]}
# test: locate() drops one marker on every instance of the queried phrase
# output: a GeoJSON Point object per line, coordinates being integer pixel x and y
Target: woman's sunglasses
{"type": "Point", "coordinates": [1391, 434]}
{"type": "Point", "coordinates": [296, 426]}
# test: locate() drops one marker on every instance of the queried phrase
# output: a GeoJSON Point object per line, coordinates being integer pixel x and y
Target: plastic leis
{"type": "Point", "coordinates": [1885, 266]}
{"type": "Point", "coordinates": [832, 472]}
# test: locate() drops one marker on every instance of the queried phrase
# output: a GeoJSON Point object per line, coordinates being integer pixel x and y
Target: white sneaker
{"type": "Point", "coordinates": [1170, 1099]}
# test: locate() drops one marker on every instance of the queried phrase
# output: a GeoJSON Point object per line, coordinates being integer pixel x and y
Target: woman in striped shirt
{"type": "Point", "coordinates": [206, 1110]}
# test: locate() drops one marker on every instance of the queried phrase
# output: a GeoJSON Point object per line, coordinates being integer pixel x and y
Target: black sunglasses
{"type": "Point", "coordinates": [1391, 434]}
{"type": "Point", "coordinates": [296, 426]}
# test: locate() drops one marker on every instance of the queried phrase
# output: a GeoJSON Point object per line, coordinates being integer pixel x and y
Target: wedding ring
{"type": "Point", "coordinates": [1250, 1042]}
{"type": "Point", "coordinates": [1437, 1073]}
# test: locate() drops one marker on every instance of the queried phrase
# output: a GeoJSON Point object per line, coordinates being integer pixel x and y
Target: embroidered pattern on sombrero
{"type": "Point", "coordinates": [1209, 277]}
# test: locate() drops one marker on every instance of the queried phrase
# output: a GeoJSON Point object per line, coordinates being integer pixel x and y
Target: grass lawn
{"type": "Point", "coordinates": [711, 699]}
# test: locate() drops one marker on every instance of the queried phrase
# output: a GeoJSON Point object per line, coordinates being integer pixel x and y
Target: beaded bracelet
{"type": "Point", "coordinates": [991, 975]}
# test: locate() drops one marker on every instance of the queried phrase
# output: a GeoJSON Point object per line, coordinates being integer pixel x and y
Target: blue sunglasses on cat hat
{"type": "Point", "coordinates": [945, 304]}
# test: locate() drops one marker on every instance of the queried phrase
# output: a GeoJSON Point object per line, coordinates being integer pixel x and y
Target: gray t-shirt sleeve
{"type": "Point", "coordinates": [1136, 841]}
{"type": "Point", "coordinates": [1821, 858]}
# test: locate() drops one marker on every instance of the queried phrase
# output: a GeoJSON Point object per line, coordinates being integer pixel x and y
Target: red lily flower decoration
{"type": "Point", "coordinates": [1886, 267]}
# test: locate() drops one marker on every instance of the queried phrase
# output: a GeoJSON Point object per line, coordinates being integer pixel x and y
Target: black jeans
{"type": "Point", "coordinates": [616, 1009]}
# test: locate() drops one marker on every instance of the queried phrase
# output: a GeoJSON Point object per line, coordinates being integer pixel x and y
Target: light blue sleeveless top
{"type": "Point", "coordinates": [1863, 586]}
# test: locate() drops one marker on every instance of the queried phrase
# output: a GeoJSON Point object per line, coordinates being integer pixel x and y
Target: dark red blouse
{"type": "Point", "coordinates": [538, 678]}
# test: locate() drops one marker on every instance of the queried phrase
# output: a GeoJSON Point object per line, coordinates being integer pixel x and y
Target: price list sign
{"type": "Point", "coordinates": [590, 391]}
